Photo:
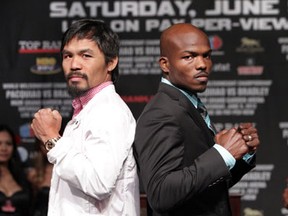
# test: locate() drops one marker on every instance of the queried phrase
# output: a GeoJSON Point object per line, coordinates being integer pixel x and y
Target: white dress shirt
{"type": "Point", "coordinates": [94, 168]}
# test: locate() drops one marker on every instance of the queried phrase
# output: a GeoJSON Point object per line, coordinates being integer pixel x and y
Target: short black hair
{"type": "Point", "coordinates": [100, 33]}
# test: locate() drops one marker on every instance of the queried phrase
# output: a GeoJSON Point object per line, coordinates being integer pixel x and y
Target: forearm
{"type": "Point", "coordinates": [98, 178]}
{"type": "Point", "coordinates": [168, 188]}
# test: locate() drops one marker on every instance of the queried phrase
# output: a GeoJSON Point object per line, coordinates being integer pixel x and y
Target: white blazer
{"type": "Point", "coordinates": [94, 168]}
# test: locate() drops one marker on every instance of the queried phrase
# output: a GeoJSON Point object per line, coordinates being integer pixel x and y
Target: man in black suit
{"type": "Point", "coordinates": [185, 167]}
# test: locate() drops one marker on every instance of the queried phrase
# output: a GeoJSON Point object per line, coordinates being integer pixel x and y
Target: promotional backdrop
{"type": "Point", "coordinates": [249, 80]}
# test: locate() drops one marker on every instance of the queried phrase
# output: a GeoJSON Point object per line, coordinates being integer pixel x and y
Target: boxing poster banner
{"type": "Point", "coordinates": [248, 83]}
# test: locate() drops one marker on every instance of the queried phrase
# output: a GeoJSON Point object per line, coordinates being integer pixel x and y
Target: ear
{"type": "Point", "coordinates": [112, 64]}
{"type": "Point", "coordinates": [164, 64]}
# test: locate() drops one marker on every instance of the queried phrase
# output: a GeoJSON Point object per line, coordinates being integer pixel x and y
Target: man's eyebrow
{"type": "Point", "coordinates": [208, 51]}
{"type": "Point", "coordinates": [196, 52]}
{"type": "Point", "coordinates": [64, 51]}
{"type": "Point", "coordinates": [86, 50]}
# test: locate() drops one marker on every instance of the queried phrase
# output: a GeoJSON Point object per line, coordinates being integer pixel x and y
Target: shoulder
{"type": "Point", "coordinates": [108, 106]}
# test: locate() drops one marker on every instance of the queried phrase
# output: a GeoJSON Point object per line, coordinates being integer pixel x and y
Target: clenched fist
{"type": "Point", "coordinates": [46, 124]}
{"type": "Point", "coordinates": [239, 141]}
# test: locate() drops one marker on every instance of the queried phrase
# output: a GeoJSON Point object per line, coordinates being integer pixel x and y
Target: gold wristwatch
{"type": "Point", "coordinates": [49, 144]}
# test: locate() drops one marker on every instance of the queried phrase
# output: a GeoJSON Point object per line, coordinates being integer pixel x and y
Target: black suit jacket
{"type": "Point", "coordinates": [182, 173]}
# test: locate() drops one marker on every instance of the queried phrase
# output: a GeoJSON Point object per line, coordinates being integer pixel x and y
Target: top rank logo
{"type": "Point", "coordinates": [34, 47]}
{"type": "Point", "coordinates": [45, 65]}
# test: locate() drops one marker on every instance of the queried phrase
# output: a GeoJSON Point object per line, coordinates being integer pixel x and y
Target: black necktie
{"type": "Point", "coordinates": [203, 111]}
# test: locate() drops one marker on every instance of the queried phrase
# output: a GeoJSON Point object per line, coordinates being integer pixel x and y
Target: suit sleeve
{"type": "Point", "coordinates": [240, 169]}
{"type": "Point", "coordinates": [159, 151]}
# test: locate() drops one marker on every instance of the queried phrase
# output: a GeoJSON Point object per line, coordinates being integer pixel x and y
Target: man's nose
{"type": "Point", "coordinates": [201, 63]}
{"type": "Point", "coordinates": [76, 63]}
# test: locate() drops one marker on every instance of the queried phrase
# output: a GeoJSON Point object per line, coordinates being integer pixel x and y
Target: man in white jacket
{"type": "Point", "coordinates": [94, 169]}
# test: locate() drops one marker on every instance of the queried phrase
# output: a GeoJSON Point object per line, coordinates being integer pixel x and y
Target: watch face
{"type": "Point", "coordinates": [49, 145]}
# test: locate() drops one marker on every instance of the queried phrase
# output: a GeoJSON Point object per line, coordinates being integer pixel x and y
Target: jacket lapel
{"type": "Point", "coordinates": [184, 102]}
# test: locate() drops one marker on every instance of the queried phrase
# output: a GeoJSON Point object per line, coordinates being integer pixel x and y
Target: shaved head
{"type": "Point", "coordinates": [176, 33]}
{"type": "Point", "coordinates": [185, 57]}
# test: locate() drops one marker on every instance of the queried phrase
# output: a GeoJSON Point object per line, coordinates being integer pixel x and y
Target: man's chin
{"type": "Point", "coordinates": [202, 90]}
{"type": "Point", "coordinates": [75, 91]}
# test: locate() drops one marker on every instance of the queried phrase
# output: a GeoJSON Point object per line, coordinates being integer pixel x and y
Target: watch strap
{"type": "Point", "coordinates": [49, 144]}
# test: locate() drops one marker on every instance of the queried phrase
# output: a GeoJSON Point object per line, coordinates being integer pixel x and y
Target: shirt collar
{"type": "Point", "coordinates": [80, 102]}
{"type": "Point", "coordinates": [192, 97]}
